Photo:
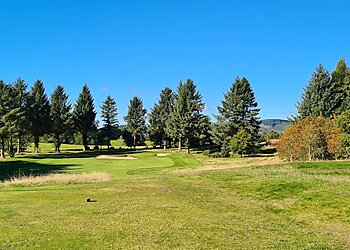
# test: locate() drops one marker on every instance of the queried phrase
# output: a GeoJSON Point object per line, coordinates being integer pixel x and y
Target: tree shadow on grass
{"type": "Point", "coordinates": [86, 154]}
{"type": "Point", "coordinates": [16, 169]}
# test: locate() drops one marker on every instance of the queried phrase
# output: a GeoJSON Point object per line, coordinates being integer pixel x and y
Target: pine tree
{"type": "Point", "coordinates": [238, 112]}
{"type": "Point", "coordinates": [21, 112]}
{"type": "Point", "coordinates": [135, 119]}
{"type": "Point", "coordinates": [186, 115]}
{"type": "Point", "coordinates": [5, 102]}
{"type": "Point", "coordinates": [341, 79]}
{"type": "Point", "coordinates": [60, 115]}
{"type": "Point", "coordinates": [84, 115]}
{"type": "Point", "coordinates": [159, 117]}
{"type": "Point", "coordinates": [322, 96]}
{"type": "Point", "coordinates": [39, 122]}
{"type": "Point", "coordinates": [109, 116]}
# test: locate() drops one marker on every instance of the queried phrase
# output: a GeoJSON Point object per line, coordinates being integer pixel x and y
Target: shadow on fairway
{"type": "Point", "coordinates": [11, 169]}
{"type": "Point", "coordinates": [86, 154]}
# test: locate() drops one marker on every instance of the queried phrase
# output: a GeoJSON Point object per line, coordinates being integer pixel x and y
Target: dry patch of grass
{"type": "Point", "coordinates": [65, 178]}
{"type": "Point", "coordinates": [229, 163]}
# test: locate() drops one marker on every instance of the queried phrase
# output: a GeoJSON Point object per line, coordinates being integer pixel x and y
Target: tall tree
{"type": "Point", "coordinates": [84, 114]}
{"type": "Point", "coordinates": [60, 115]}
{"type": "Point", "coordinates": [159, 117]}
{"type": "Point", "coordinates": [136, 119]}
{"type": "Point", "coordinates": [321, 97]}
{"type": "Point", "coordinates": [21, 110]}
{"type": "Point", "coordinates": [109, 116]}
{"type": "Point", "coordinates": [238, 111]}
{"type": "Point", "coordinates": [39, 122]}
{"type": "Point", "coordinates": [186, 115]}
{"type": "Point", "coordinates": [341, 80]}
{"type": "Point", "coordinates": [4, 109]}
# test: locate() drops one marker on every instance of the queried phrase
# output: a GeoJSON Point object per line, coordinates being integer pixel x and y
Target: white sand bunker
{"type": "Point", "coordinates": [162, 155]}
{"type": "Point", "coordinates": [111, 157]}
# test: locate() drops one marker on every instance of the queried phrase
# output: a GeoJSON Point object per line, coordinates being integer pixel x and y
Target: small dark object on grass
{"type": "Point", "coordinates": [89, 200]}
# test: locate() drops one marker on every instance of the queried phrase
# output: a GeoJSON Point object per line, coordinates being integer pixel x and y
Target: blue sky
{"type": "Point", "coordinates": [128, 48]}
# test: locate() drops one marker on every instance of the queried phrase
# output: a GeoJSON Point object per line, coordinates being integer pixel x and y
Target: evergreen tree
{"type": "Point", "coordinates": [20, 110]}
{"type": "Point", "coordinates": [39, 122]}
{"type": "Point", "coordinates": [135, 119]}
{"type": "Point", "coordinates": [5, 102]}
{"type": "Point", "coordinates": [238, 112]}
{"type": "Point", "coordinates": [109, 116]}
{"type": "Point", "coordinates": [186, 116]}
{"type": "Point", "coordinates": [84, 115]}
{"type": "Point", "coordinates": [341, 80]}
{"type": "Point", "coordinates": [321, 97]}
{"type": "Point", "coordinates": [60, 115]}
{"type": "Point", "coordinates": [159, 118]}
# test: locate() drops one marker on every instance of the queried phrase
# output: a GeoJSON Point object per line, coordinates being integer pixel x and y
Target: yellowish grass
{"type": "Point", "coordinates": [227, 163]}
{"type": "Point", "coordinates": [65, 178]}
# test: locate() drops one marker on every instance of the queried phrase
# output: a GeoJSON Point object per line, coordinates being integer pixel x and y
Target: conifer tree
{"type": "Point", "coordinates": [20, 100]}
{"type": "Point", "coordinates": [60, 115]}
{"type": "Point", "coordinates": [322, 96]}
{"type": "Point", "coordinates": [84, 114]}
{"type": "Point", "coordinates": [159, 117]}
{"type": "Point", "coordinates": [109, 114]}
{"type": "Point", "coordinates": [39, 122]}
{"type": "Point", "coordinates": [4, 109]}
{"type": "Point", "coordinates": [186, 115]}
{"type": "Point", "coordinates": [341, 80]}
{"type": "Point", "coordinates": [239, 111]}
{"type": "Point", "coordinates": [136, 119]}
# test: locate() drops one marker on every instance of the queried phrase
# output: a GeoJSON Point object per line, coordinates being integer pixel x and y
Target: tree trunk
{"type": "Point", "coordinates": [134, 136]}
{"type": "Point", "coordinates": [2, 149]}
{"type": "Point", "coordinates": [85, 144]}
{"type": "Point", "coordinates": [36, 144]}
{"type": "Point", "coordinates": [180, 149]}
{"type": "Point", "coordinates": [57, 143]}
{"type": "Point", "coordinates": [310, 154]}
{"type": "Point", "coordinates": [164, 144]}
{"type": "Point", "coordinates": [19, 144]}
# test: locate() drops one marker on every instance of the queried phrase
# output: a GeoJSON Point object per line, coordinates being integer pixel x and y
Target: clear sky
{"type": "Point", "coordinates": [127, 48]}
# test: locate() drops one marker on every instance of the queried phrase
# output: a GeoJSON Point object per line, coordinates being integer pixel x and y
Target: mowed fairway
{"type": "Point", "coordinates": [160, 202]}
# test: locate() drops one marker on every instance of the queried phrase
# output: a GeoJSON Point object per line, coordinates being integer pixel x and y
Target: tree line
{"type": "Point", "coordinates": [321, 128]}
{"type": "Point", "coordinates": [176, 120]}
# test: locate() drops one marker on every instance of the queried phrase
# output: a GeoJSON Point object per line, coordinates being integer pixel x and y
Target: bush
{"type": "Point", "coordinates": [206, 152]}
{"type": "Point", "coordinates": [96, 147]}
{"type": "Point", "coordinates": [111, 148]}
{"type": "Point", "coordinates": [215, 155]}
{"type": "Point", "coordinates": [225, 154]}
{"type": "Point", "coordinates": [149, 144]}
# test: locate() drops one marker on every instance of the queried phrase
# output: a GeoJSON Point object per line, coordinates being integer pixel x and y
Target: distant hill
{"type": "Point", "coordinates": [274, 124]}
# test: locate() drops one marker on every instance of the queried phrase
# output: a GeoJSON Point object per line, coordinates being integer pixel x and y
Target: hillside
{"type": "Point", "coordinates": [274, 124]}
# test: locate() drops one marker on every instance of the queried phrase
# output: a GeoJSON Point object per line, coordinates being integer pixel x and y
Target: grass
{"type": "Point", "coordinates": [178, 201]}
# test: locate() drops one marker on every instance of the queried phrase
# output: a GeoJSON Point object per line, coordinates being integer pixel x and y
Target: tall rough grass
{"type": "Point", "coordinates": [65, 178]}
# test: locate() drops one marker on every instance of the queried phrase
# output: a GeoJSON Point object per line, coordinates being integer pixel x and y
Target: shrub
{"type": "Point", "coordinates": [96, 147]}
{"type": "Point", "coordinates": [206, 152]}
{"type": "Point", "coordinates": [225, 154]}
{"type": "Point", "coordinates": [215, 155]}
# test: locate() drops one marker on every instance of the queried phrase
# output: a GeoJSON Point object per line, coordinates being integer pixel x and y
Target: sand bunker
{"type": "Point", "coordinates": [111, 157]}
{"type": "Point", "coordinates": [162, 154]}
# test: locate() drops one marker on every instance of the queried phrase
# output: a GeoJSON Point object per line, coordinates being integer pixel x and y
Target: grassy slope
{"type": "Point", "coordinates": [298, 206]}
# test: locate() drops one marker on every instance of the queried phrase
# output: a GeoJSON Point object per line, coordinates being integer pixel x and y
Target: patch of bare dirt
{"type": "Point", "coordinates": [162, 154]}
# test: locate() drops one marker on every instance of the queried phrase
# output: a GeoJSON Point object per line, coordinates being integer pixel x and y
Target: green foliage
{"type": "Point", "coordinates": [109, 114]}
{"type": "Point", "coordinates": [324, 95]}
{"type": "Point", "coordinates": [39, 120]}
{"type": "Point", "coordinates": [60, 115]}
{"type": "Point", "coordinates": [136, 119]}
{"type": "Point", "coordinates": [186, 116]}
{"type": "Point", "coordinates": [242, 143]}
{"type": "Point", "coordinates": [159, 118]}
{"type": "Point", "coordinates": [238, 111]}
{"type": "Point", "coordinates": [84, 114]}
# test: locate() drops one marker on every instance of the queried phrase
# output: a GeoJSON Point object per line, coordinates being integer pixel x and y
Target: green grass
{"type": "Point", "coordinates": [149, 204]}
